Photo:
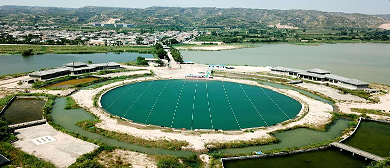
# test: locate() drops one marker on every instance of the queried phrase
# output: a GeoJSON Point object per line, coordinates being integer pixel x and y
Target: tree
{"type": "Point", "coordinates": [384, 37]}
{"type": "Point", "coordinates": [158, 46]}
{"type": "Point", "coordinates": [176, 55]}
{"type": "Point", "coordinates": [169, 162]}
{"type": "Point", "coordinates": [139, 40]}
{"type": "Point", "coordinates": [141, 61]}
{"type": "Point", "coordinates": [27, 52]}
{"type": "Point", "coordinates": [161, 53]}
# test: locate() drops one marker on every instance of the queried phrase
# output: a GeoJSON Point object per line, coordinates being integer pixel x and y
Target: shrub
{"type": "Point", "coordinates": [169, 162]}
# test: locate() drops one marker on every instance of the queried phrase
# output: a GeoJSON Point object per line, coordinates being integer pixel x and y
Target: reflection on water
{"type": "Point", "coordinates": [366, 61]}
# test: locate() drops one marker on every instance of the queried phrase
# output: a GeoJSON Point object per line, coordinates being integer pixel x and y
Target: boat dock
{"type": "Point", "coordinates": [357, 151]}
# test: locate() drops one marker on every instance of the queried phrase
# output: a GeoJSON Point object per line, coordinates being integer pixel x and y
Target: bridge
{"type": "Point", "coordinates": [357, 151]}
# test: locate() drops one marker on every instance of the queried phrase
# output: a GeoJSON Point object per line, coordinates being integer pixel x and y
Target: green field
{"type": "Point", "coordinates": [61, 49]}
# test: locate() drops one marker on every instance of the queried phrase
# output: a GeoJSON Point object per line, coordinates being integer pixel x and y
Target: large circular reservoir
{"type": "Point", "coordinates": [200, 104]}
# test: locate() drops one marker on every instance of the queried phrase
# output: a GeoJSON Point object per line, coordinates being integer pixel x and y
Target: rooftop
{"type": "Point", "coordinates": [50, 71]}
{"type": "Point", "coordinates": [318, 71]}
{"type": "Point", "coordinates": [285, 69]}
{"type": "Point", "coordinates": [76, 64]}
{"type": "Point", "coordinates": [346, 80]}
{"type": "Point", "coordinates": [311, 74]}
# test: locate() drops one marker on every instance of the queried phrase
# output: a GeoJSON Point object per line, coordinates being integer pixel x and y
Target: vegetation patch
{"type": "Point", "coordinates": [241, 144]}
{"type": "Point", "coordinates": [168, 161]}
{"type": "Point", "coordinates": [381, 164]}
{"type": "Point", "coordinates": [71, 104]}
{"type": "Point", "coordinates": [61, 49]}
{"type": "Point", "coordinates": [10, 76]}
{"type": "Point", "coordinates": [164, 144]}
{"type": "Point", "coordinates": [359, 93]}
{"type": "Point", "coordinates": [91, 159]}
{"type": "Point", "coordinates": [370, 111]}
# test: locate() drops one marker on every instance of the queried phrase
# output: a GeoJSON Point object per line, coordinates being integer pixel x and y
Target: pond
{"type": "Point", "coordinates": [373, 137]}
{"type": "Point", "coordinates": [24, 110]}
{"type": "Point", "coordinates": [319, 159]}
{"type": "Point", "coordinates": [10, 64]}
{"type": "Point", "coordinates": [70, 83]}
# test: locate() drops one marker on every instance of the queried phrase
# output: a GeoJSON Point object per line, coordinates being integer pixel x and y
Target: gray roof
{"type": "Point", "coordinates": [81, 68]}
{"type": "Point", "coordinates": [345, 80]}
{"type": "Point", "coordinates": [50, 71]}
{"type": "Point", "coordinates": [318, 71]}
{"type": "Point", "coordinates": [311, 74]}
{"type": "Point", "coordinates": [76, 64]}
{"type": "Point", "coordinates": [284, 69]}
{"type": "Point", "coordinates": [77, 68]}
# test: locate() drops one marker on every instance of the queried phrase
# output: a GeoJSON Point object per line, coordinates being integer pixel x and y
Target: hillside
{"type": "Point", "coordinates": [186, 17]}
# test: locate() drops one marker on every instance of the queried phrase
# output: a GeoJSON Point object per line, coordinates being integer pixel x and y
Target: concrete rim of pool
{"type": "Point", "coordinates": [191, 104]}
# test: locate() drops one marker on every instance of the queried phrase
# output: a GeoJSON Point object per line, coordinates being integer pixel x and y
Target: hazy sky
{"type": "Point", "coordinates": [348, 6]}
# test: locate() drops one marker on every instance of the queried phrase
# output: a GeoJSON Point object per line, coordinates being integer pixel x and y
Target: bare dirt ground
{"type": "Point", "coordinates": [383, 105]}
{"type": "Point", "coordinates": [385, 26]}
{"type": "Point", "coordinates": [330, 92]}
{"type": "Point", "coordinates": [63, 152]}
{"type": "Point", "coordinates": [126, 158]}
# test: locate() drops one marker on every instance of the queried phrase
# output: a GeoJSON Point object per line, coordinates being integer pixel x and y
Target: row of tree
{"type": "Point", "coordinates": [176, 55]}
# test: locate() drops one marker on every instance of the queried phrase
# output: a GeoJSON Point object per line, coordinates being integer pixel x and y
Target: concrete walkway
{"type": "Point", "coordinates": [357, 151]}
{"type": "Point", "coordinates": [45, 142]}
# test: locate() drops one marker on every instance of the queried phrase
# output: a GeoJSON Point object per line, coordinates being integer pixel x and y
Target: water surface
{"type": "Point", "coordinates": [200, 104]}
{"type": "Point", "coordinates": [10, 64]}
{"type": "Point", "coordinates": [372, 137]}
{"type": "Point", "coordinates": [366, 61]}
{"type": "Point", "coordinates": [319, 159]}
{"type": "Point", "coordinates": [295, 138]}
{"type": "Point", "coordinates": [24, 110]}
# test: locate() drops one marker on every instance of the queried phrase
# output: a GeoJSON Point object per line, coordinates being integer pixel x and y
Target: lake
{"type": "Point", "coordinates": [11, 64]}
{"type": "Point", "coordinates": [364, 61]}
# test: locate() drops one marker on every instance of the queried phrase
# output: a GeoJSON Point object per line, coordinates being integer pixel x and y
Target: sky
{"type": "Point", "coordinates": [347, 6]}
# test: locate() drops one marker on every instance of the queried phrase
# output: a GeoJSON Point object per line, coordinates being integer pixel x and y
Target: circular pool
{"type": "Point", "coordinates": [200, 104]}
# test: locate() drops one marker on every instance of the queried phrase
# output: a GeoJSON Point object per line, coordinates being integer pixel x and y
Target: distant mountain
{"type": "Point", "coordinates": [187, 17]}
